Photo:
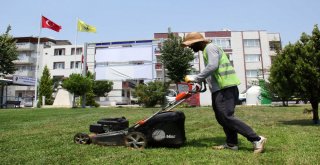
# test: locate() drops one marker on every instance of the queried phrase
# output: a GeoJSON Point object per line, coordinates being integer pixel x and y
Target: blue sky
{"type": "Point", "coordinates": [121, 20]}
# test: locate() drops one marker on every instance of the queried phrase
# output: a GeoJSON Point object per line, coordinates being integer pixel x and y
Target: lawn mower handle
{"type": "Point", "coordinates": [199, 87]}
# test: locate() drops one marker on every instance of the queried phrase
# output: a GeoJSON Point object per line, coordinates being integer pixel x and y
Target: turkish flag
{"type": "Point", "coordinates": [47, 23]}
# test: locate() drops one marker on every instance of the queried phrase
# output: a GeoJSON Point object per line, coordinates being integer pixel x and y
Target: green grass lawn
{"type": "Point", "coordinates": [45, 136]}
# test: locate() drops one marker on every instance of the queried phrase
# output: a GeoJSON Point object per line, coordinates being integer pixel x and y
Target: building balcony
{"type": "Point", "coordinates": [26, 47]}
{"type": "Point", "coordinates": [25, 73]}
{"type": "Point", "coordinates": [25, 60]}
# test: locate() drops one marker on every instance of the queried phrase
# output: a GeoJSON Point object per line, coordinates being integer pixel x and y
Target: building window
{"type": "Point", "coordinates": [252, 57]}
{"type": "Point", "coordinates": [59, 52]}
{"type": "Point", "coordinates": [79, 51]}
{"type": "Point", "coordinates": [22, 56]}
{"type": "Point", "coordinates": [274, 45]}
{"type": "Point", "coordinates": [78, 64]}
{"type": "Point", "coordinates": [224, 43]}
{"type": "Point", "coordinates": [251, 43]}
{"type": "Point", "coordinates": [58, 65]}
{"type": "Point", "coordinates": [23, 68]}
{"type": "Point", "coordinates": [252, 73]}
{"type": "Point", "coordinates": [75, 64]}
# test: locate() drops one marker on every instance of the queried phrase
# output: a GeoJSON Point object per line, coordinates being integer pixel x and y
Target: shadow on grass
{"type": "Point", "coordinates": [205, 142]}
{"type": "Point", "coordinates": [303, 122]}
{"type": "Point", "coordinates": [209, 142]}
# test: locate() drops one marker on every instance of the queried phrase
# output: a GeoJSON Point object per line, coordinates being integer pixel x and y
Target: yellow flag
{"type": "Point", "coordinates": [83, 27]}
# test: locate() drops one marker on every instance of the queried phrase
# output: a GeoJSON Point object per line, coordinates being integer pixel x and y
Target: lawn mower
{"type": "Point", "coordinates": [165, 128]}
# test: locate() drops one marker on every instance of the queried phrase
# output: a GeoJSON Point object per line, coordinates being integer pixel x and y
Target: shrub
{"type": "Point", "coordinates": [151, 94]}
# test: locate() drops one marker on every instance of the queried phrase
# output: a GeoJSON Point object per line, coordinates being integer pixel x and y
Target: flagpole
{"type": "Point", "coordinates": [75, 50]}
{"type": "Point", "coordinates": [37, 67]}
{"type": "Point", "coordinates": [84, 70]}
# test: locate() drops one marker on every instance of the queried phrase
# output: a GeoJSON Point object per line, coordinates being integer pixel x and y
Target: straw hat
{"type": "Point", "coordinates": [193, 37]}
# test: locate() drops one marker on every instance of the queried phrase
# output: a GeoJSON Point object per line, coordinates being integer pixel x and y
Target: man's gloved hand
{"type": "Point", "coordinates": [190, 78]}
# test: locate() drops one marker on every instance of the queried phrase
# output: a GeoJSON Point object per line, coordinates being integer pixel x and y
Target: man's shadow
{"type": "Point", "coordinates": [209, 142]}
{"type": "Point", "coordinates": [205, 142]}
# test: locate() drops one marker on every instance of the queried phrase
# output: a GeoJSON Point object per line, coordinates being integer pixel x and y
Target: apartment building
{"type": "Point", "coordinates": [63, 60]}
{"type": "Point", "coordinates": [23, 79]}
{"type": "Point", "coordinates": [250, 52]}
{"type": "Point", "coordinates": [22, 87]}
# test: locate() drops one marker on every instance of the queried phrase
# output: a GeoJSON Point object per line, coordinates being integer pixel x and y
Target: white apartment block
{"type": "Point", "coordinates": [27, 57]}
{"type": "Point", "coordinates": [250, 52]}
{"type": "Point", "coordinates": [63, 60]}
{"type": "Point", "coordinates": [27, 52]}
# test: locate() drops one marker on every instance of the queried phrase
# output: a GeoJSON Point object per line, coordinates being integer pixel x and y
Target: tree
{"type": "Point", "coordinates": [281, 74]}
{"type": "Point", "coordinates": [307, 69]}
{"type": "Point", "coordinates": [175, 58]}
{"type": "Point", "coordinates": [296, 70]}
{"type": "Point", "coordinates": [8, 53]}
{"type": "Point", "coordinates": [151, 93]}
{"type": "Point", "coordinates": [78, 85]}
{"type": "Point", "coordinates": [90, 95]}
{"type": "Point", "coordinates": [46, 87]}
{"type": "Point", "coordinates": [100, 88]}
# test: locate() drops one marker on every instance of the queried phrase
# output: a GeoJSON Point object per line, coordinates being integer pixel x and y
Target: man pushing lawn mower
{"type": "Point", "coordinates": [222, 81]}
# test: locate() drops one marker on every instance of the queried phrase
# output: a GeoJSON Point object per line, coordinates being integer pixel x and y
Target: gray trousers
{"type": "Point", "coordinates": [223, 104]}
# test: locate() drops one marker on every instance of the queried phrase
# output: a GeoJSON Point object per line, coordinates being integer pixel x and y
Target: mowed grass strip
{"type": "Point", "coordinates": [45, 136]}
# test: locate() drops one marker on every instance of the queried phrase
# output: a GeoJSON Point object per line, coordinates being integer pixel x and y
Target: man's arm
{"type": "Point", "coordinates": [213, 63]}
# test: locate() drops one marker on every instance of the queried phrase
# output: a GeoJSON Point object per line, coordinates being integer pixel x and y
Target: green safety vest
{"type": "Point", "coordinates": [225, 74]}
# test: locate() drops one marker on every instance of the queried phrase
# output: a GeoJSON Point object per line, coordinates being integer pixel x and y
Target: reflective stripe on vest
{"type": "Point", "coordinates": [225, 74]}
